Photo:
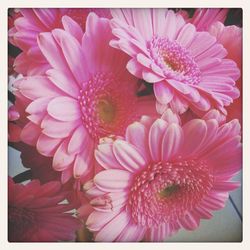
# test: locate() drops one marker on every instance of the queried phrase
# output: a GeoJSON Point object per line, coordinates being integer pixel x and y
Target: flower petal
{"type": "Point", "coordinates": [64, 108]}
{"type": "Point", "coordinates": [113, 180]}
{"type": "Point", "coordinates": [128, 156]}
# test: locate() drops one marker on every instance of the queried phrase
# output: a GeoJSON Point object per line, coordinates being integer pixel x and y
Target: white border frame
{"type": "Point", "coordinates": [113, 4]}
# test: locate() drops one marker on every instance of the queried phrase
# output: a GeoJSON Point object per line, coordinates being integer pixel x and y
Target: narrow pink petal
{"type": "Point", "coordinates": [62, 159]}
{"type": "Point", "coordinates": [57, 129]}
{"type": "Point", "coordinates": [79, 139]}
{"type": "Point", "coordinates": [38, 106]}
{"type": "Point", "coordinates": [156, 133]}
{"type": "Point", "coordinates": [73, 54]}
{"type": "Point", "coordinates": [105, 156]}
{"type": "Point", "coordinates": [97, 219]}
{"type": "Point", "coordinates": [163, 93]}
{"type": "Point", "coordinates": [72, 27]}
{"type": "Point", "coordinates": [66, 175]}
{"type": "Point", "coordinates": [189, 221]}
{"type": "Point", "coordinates": [64, 108]}
{"type": "Point", "coordinates": [202, 212]}
{"type": "Point", "coordinates": [52, 51]}
{"type": "Point", "coordinates": [225, 186]}
{"type": "Point", "coordinates": [170, 25]}
{"type": "Point", "coordinates": [38, 86]}
{"type": "Point", "coordinates": [46, 16]}
{"type": "Point", "coordinates": [82, 164]}
{"type": "Point", "coordinates": [194, 134]}
{"type": "Point", "coordinates": [46, 145]}
{"type": "Point", "coordinates": [134, 68]}
{"type": "Point", "coordinates": [137, 134]}
{"type": "Point", "coordinates": [113, 180]}
{"type": "Point", "coordinates": [150, 76]}
{"type": "Point", "coordinates": [128, 156]}
{"type": "Point", "coordinates": [186, 35]}
{"type": "Point", "coordinates": [112, 230]}
{"type": "Point", "coordinates": [64, 82]}
{"type": "Point", "coordinates": [170, 117]}
{"type": "Point", "coordinates": [201, 42]}
{"type": "Point", "coordinates": [142, 22]}
{"type": "Point", "coordinates": [171, 142]}
{"type": "Point", "coordinates": [109, 202]}
{"type": "Point", "coordinates": [131, 233]}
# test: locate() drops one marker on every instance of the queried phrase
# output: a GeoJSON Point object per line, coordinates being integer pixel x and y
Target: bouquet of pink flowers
{"type": "Point", "coordinates": [127, 120]}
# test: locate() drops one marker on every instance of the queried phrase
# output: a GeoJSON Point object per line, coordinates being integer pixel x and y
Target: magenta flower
{"type": "Point", "coordinates": [162, 177]}
{"type": "Point", "coordinates": [187, 68]}
{"type": "Point", "coordinates": [29, 23]}
{"type": "Point", "coordinates": [88, 94]}
{"type": "Point", "coordinates": [35, 215]}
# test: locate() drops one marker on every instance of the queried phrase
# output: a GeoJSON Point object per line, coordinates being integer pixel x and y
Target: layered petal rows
{"type": "Point", "coordinates": [127, 121]}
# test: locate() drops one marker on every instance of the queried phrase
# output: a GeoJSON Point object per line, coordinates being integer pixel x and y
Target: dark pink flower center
{"type": "Point", "coordinates": [105, 108]}
{"type": "Point", "coordinates": [20, 222]}
{"type": "Point", "coordinates": [165, 191]}
{"type": "Point", "coordinates": [175, 61]}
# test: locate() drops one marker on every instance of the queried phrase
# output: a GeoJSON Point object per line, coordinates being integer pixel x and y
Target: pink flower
{"type": "Point", "coordinates": [34, 21]}
{"type": "Point", "coordinates": [162, 177]}
{"type": "Point", "coordinates": [88, 94]}
{"type": "Point", "coordinates": [187, 68]}
{"type": "Point", "coordinates": [231, 39]}
{"type": "Point", "coordinates": [203, 19]}
{"type": "Point", "coordinates": [35, 215]}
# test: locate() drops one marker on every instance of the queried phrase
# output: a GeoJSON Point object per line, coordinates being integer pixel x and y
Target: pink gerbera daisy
{"type": "Point", "coordinates": [29, 23]}
{"type": "Point", "coordinates": [231, 38]}
{"type": "Point", "coordinates": [187, 68]}
{"type": "Point", "coordinates": [88, 94]}
{"type": "Point", "coordinates": [204, 18]}
{"type": "Point", "coordinates": [35, 215]}
{"type": "Point", "coordinates": [162, 177]}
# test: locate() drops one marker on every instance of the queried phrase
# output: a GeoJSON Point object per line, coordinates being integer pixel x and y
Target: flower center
{"type": "Point", "coordinates": [164, 191]}
{"type": "Point", "coordinates": [176, 61]}
{"type": "Point", "coordinates": [168, 191]}
{"type": "Point", "coordinates": [105, 108]}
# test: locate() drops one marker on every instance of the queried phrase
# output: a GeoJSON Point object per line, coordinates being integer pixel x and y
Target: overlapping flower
{"type": "Point", "coordinates": [127, 108]}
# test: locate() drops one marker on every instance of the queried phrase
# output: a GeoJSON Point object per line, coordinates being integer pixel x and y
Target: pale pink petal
{"type": "Point", "coordinates": [97, 219]}
{"type": "Point", "coordinates": [128, 156]}
{"type": "Point", "coordinates": [46, 145]}
{"type": "Point", "coordinates": [186, 35]}
{"type": "Point", "coordinates": [189, 221]}
{"type": "Point", "coordinates": [79, 139]}
{"type": "Point", "coordinates": [163, 93]}
{"type": "Point", "coordinates": [171, 142]}
{"type": "Point", "coordinates": [64, 82]}
{"type": "Point", "coordinates": [156, 133]}
{"type": "Point", "coordinates": [137, 134]}
{"type": "Point", "coordinates": [72, 27]}
{"type": "Point", "coordinates": [62, 159]}
{"type": "Point", "coordinates": [113, 180]}
{"type": "Point", "coordinates": [194, 134]}
{"type": "Point", "coordinates": [57, 129]}
{"type": "Point", "coordinates": [105, 156]}
{"type": "Point", "coordinates": [131, 233]}
{"type": "Point", "coordinates": [73, 54]}
{"type": "Point", "coordinates": [64, 108]}
{"type": "Point", "coordinates": [82, 164]}
{"type": "Point", "coordinates": [112, 230]}
{"type": "Point", "coordinates": [38, 86]}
